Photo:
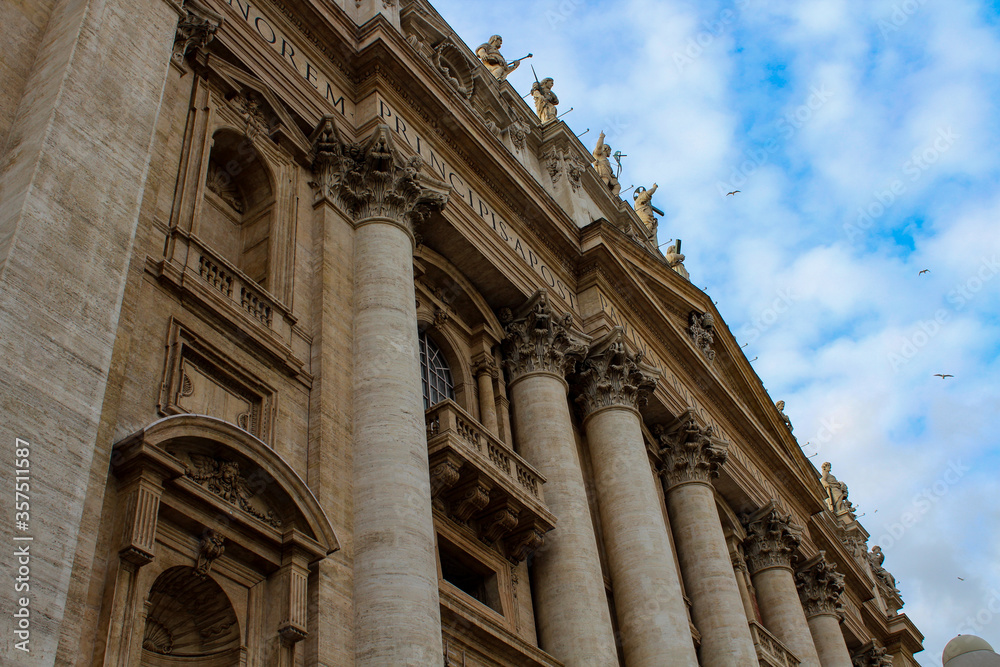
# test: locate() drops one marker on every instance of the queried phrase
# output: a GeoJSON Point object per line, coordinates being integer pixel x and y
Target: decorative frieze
{"type": "Point", "coordinates": [772, 538]}
{"type": "Point", "coordinates": [372, 179]}
{"type": "Point", "coordinates": [195, 29]}
{"type": "Point", "coordinates": [610, 375]}
{"type": "Point", "coordinates": [872, 654]}
{"type": "Point", "coordinates": [690, 451]}
{"type": "Point", "coordinates": [223, 478]}
{"type": "Point", "coordinates": [701, 328]}
{"type": "Point", "coordinates": [537, 339]}
{"type": "Point", "coordinates": [820, 586]}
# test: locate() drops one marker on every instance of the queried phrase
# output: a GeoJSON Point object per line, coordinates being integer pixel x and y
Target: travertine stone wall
{"type": "Point", "coordinates": [72, 180]}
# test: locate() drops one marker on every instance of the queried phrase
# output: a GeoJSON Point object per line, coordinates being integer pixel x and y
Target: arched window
{"type": "Point", "coordinates": [239, 205]}
{"type": "Point", "coordinates": [435, 376]}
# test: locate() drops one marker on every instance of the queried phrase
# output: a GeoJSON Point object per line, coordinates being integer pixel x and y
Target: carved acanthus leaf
{"type": "Point", "coordinates": [820, 586]}
{"type": "Point", "coordinates": [372, 179]}
{"type": "Point", "coordinates": [195, 29]}
{"type": "Point", "coordinates": [539, 340]}
{"type": "Point", "coordinates": [612, 376]}
{"type": "Point", "coordinates": [872, 654]}
{"type": "Point", "coordinates": [690, 452]}
{"type": "Point", "coordinates": [772, 538]}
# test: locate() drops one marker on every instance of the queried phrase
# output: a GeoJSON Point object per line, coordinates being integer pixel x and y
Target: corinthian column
{"type": "Point", "coordinates": [652, 615]}
{"type": "Point", "coordinates": [573, 620]}
{"type": "Point", "coordinates": [691, 458]}
{"type": "Point", "coordinates": [820, 587]}
{"type": "Point", "coordinates": [396, 609]}
{"type": "Point", "coordinates": [771, 542]}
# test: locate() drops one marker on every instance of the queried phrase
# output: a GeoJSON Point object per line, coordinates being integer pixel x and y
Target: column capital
{"type": "Point", "coordinates": [772, 538]}
{"type": "Point", "coordinates": [539, 340]}
{"type": "Point", "coordinates": [690, 451]}
{"type": "Point", "coordinates": [195, 28]}
{"type": "Point", "coordinates": [372, 179]}
{"type": "Point", "coordinates": [485, 365]}
{"type": "Point", "coordinates": [820, 586]}
{"type": "Point", "coordinates": [611, 376]}
{"type": "Point", "coordinates": [872, 654]}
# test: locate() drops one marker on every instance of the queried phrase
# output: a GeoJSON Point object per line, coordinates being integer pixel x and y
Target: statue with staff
{"type": "Point", "coordinates": [602, 163]}
{"type": "Point", "coordinates": [489, 54]}
{"type": "Point", "coordinates": [644, 208]}
{"type": "Point", "coordinates": [545, 99]}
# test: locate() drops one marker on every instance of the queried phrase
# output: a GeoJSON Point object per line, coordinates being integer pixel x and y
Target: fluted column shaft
{"type": "Point", "coordinates": [486, 371]}
{"type": "Point", "coordinates": [652, 616]}
{"type": "Point", "coordinates": [820, 589]}
{"type": "Point", "coordinates": [572, 616]}
{"type": "Point", "coordinates": [771, 541]}
{"type": "Point", "coordinates": [829, 640]}
{"type": "Point", "coordinates": [397, 614]}
{"type": "Point", "coordinates": [691, 457]}
{"type": "Point", "coordinates": [397, 619]}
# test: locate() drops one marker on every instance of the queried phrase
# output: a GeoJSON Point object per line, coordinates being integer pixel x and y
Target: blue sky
{"type": "Point", "coordinates": [864, 138]}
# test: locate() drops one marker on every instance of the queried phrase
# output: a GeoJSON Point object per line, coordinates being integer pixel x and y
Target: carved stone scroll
{"type": "Point", "coordinates": [702, 332]}
{"type": "Point", "coordinates": [195, 29]}
{"type": "Point", "coordinates": [612, 376]}
{"type": "Point", "coordinates": [872, 654]}
{"type": "Point", "coordinates": [691, 452]}
{"type": "Point", "coordinates": [537, 339]}
{"type": "Point", "coordinates": [372, 179]}
{"type": "Point", "coordinates": [820, 586]}
{"type": "Point", "coordinates": [772, 538]}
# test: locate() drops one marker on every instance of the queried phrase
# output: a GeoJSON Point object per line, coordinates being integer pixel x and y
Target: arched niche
{"type": "Point", "coordinates": [198, 492]}
{"type": "Point", "coordinates": [189, 621]}
{"type": "Point", "coordinates": [238, 211]}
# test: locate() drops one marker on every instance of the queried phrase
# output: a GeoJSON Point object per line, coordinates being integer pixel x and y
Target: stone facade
{"type": "Point", "coordinates": [322, 349]}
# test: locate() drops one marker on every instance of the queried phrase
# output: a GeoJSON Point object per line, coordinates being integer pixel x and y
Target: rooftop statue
{"type": "Point", "coordinates": [602, 162]}
{"type": "Point", "coordinates": [490, 54]}
{"type": "Point", "coordinates": [836, 491]}
{"type": "Point", "coordinates": [545, 99]}
{"type": "Point", "coordinates": [676, 260]}
{"type": "Point", "coordinates": [780, 405]}
{"type": "Point", "coordinates": [644, 207]}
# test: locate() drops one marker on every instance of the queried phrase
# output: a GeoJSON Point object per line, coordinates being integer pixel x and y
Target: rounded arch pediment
{"type": "Point", "coordinates": [234, 468]}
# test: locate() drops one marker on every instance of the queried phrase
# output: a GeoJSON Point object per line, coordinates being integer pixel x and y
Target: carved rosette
{"type": "Point", "coordinates": [195, 29]}
{"type": "Point", "coordinates": [690, 452]}
{"type": "Point", "coordinates": [612, 376]}
{"type": "Point", "coordinates": [872, 654]}
{"type": "Point", "coordinates": [820, 587]}
{"type": "Point", "coordinates": [772, 538]}
{"type": "Point", "coordinates": [372, 179]}
{"type": "Point", "coordinates": [538, 340]}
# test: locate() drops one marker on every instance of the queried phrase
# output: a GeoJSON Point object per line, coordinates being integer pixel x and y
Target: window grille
{"type": "Point", "coordinates": [435, 376]}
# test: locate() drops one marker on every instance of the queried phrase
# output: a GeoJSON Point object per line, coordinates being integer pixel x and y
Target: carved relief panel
{"type": "Point", "coordinates": [198, 379]}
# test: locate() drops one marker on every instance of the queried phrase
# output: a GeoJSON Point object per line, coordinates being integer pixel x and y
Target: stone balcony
{"type": "Point", "coordinates": [770, 651]}
{"type": "Point", "coordinates": [481, 483]}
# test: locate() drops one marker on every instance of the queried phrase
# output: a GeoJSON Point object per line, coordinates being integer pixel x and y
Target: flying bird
{"type": "Point", "coordinates": [943, 376]}
{"type": "Point", "coordinates": [961, 579]}
{"type": "Point", "coordinates": [923, 272]}
{"type": "Point", "coordinates": [732, 193]}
